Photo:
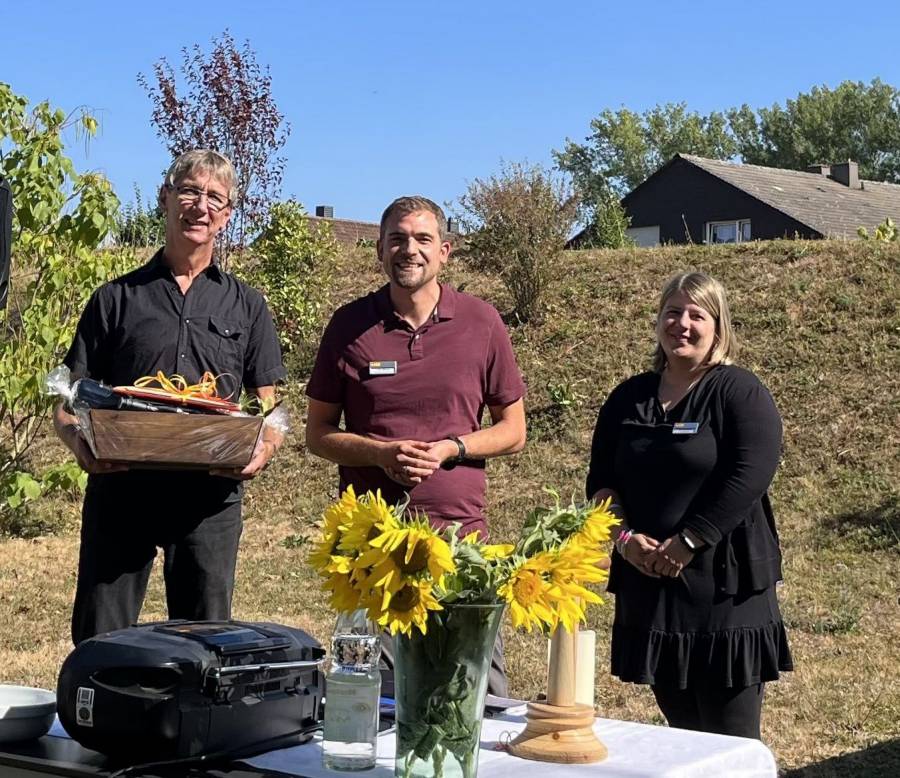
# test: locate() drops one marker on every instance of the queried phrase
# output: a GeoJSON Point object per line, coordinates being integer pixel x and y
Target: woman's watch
{"type": "Point", "coordinates": [692, 545]}
{"type": "Point", "coordinates": [449, 464]}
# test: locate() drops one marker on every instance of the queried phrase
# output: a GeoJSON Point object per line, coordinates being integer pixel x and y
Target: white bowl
{"type": "Point", "coordinates": [25, 713]}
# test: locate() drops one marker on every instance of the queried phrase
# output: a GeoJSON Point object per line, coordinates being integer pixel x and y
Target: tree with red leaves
{"type": "Point", "coordinates": [226, 105]}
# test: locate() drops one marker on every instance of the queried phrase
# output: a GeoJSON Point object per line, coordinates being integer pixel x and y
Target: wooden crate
{"type": "Point", "coordinates": [177, 440]}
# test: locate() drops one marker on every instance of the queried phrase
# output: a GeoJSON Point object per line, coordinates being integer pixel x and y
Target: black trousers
{"type": "Point", "coordinates": [713, 709]}
{"type": "Point", "coordinates": [497, 681]}
{"type": "Point", "coordinates": [121, 530]}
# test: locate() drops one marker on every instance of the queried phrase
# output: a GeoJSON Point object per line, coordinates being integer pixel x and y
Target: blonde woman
{"type": "Point", "coordinates": [687, 451]}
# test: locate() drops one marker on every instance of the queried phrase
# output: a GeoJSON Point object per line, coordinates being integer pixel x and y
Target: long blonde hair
{"type": "Point", "coordinates": [709, 294]}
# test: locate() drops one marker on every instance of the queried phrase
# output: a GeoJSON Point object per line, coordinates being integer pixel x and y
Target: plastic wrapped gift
{"type": "Point", "coordinates": [128, 425]}
{"type": "Point", "coordinates": [182, 440]}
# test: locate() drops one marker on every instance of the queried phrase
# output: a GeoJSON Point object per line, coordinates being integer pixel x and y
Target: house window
{"type": "Point", "coordinates": [737, 231]}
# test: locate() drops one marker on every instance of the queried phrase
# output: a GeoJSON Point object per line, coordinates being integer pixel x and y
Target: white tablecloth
{"type": "Point", "coordinates": [635, 751]}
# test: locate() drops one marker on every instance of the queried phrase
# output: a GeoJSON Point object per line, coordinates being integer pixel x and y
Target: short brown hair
{"type": "Point", "coordinates": [205, 161]}
{"type": "Point", "coordinates": [411, 204]}
{"type": "Point", "coordinates": [709, 294]}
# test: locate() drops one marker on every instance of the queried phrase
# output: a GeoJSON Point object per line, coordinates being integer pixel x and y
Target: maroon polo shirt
{"type": "Point", "coordinates": [448, 370]}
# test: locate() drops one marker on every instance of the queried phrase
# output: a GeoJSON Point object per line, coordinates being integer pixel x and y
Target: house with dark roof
{"type": "Point", "coordinates": [346, 231]}
{"type": "Point", "coordinates": [696, 200]}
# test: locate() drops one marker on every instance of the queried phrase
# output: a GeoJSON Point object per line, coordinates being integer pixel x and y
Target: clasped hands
{"type": "Point", "coordinates": [409, 462]}
{"type": "Point", "coordinates": [657, 559]}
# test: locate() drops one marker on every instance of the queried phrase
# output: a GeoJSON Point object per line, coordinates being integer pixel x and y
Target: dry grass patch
{"type": "Point", "coordinates": [819, 323]}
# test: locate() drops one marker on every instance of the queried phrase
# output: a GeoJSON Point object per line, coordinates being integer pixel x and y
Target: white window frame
{"type": "Point", "coordinates": [737, 223]}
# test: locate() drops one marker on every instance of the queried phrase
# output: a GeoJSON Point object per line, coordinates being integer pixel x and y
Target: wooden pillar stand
{"type": "Point", "coordinates": [560, 730]}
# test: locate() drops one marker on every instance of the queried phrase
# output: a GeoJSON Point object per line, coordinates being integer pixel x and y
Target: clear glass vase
{"type": "Point", "coordinates": [440, 681]}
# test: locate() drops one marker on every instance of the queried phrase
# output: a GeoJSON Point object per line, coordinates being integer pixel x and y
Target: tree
{"type": "Point", "coordinates": [518, 222]}
{"type": "Point", "coordinates": [227, 105]}
{"type": "Point", "coordinates": [60, 219]}
{"type": "Point", "coordinates": [853, 121]}
{"type": "Point", "coordinates": [624, 148]}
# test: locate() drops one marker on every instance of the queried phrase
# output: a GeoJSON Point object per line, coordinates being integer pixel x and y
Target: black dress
{"type": "Point", "coordinates": [704, 465]}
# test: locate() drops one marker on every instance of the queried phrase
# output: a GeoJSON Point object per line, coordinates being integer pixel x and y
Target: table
{"type": "Point", "coordinates": [635, 751]}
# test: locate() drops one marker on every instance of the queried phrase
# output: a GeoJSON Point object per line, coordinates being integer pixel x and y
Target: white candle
{"type": "Point", "coordinates": [585, 666]}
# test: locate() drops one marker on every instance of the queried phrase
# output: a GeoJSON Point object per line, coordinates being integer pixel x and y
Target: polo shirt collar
{"type": "Point", "coordinates": [446, 307]}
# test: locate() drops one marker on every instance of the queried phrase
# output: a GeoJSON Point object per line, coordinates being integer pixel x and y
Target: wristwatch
{"type": "Point", "coordinates": [692, 546]}
{"type": "Point", "coordinates": [449, 464]}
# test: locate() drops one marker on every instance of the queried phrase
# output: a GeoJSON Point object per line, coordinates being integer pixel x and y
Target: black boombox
{"type": "Point", "coordinates": [187, 689]}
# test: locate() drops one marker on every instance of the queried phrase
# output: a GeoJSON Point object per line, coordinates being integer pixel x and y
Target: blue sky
{"type": "Point", "coordinates": [388, 98]}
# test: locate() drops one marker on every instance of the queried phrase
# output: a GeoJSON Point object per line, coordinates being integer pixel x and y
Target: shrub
{"type": "Point", "coordinates": [60, 218]}
{"type": "Point", "coordinates": [292, 266]}
{"type": "Point", "coordinates": [140, 224]}
{"type": "Point", "coordinates": [518, 222]}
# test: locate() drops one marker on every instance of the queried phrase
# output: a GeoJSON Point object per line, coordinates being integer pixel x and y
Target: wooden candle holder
{"type": "Point", "coordinates": [560, 730]}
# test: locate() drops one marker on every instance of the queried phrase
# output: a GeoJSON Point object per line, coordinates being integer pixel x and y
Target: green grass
{"type": "Point", "coordinates": [819, 322]}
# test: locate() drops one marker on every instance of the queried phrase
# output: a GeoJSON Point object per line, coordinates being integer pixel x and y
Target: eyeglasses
{"type": "Point", "coordinates": [190, 195]}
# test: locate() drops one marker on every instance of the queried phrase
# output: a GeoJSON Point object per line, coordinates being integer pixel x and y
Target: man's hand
{"type": "Point", "coordinates": [264, 451]}
{"type": "Point", "coordinates": [671, 556]}
{"type": "Point", "coordinates": [408, 462]}
{"type": "Point", "coordinates": [443, 449]}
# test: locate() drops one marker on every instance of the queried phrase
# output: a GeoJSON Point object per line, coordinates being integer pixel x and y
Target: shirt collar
{"type": "Point", "coordinates": [445, 309]}
{"type": "Point", "coordinates": [158, 267]}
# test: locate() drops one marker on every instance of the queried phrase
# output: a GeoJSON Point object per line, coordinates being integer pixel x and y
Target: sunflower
{"type": "Point", "coordinates": [407, 607]}
{"type": "Point", "coordinates": [402, 553]}
{"type": "Point", "coordinates": [571, 567]}
{"type": "Point", "coordinates": [336, 517]}
{"type": "Point", "coordinates": [527, 593]}
{"type": "Point", "coordinates": [489, 551]}
{"type": "Point", "coordinates": [598, 524]}
{"type": "Point", "coordinates": [370, 517]}
{"type": "Point", "coordinates": [344, 595]}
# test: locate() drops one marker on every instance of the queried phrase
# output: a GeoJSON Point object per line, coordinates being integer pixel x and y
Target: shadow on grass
{"type": "Point", "coordinates": [877, 527]}
{"type": "Point", "coordinates": [879, 761]}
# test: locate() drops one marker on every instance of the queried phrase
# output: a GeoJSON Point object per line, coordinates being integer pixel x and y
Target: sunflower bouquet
{"type": "Point", "coordinates": [444, 596]}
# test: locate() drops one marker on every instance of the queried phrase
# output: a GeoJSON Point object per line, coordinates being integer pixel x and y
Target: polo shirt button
{"type": "Point", "coordinates": [418, 336]}
{"type": "Point", "coordinates": [187, 321]}
{"type": "Point", "coordinates": [227, 332]}
{"type": "Point", "coordinates": [183, 356]}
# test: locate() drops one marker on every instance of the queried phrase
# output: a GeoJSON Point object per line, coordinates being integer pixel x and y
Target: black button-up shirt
{"type": "Point", "coordinates": [142, 323]}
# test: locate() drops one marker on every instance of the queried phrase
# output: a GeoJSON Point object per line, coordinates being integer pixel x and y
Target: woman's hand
{"type": "Point", "coordinates": [670, 557]}
{"type": "Point", "coordinates": [640, 551]}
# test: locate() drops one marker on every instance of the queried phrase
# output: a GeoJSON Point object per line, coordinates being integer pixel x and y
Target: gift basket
{"type": "Point", "coordinates": [165, 422]}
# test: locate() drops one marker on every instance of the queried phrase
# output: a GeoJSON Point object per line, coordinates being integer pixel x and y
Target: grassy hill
{"type": "Point", "coordinates": [819, 322]}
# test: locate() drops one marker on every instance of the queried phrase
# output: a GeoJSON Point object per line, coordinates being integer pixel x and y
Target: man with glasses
{"type": "Point", "coordinates": [180, 313]}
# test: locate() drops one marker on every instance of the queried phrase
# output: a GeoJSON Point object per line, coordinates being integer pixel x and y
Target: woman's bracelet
{"type": "Point", "coordinates": [624, 536]}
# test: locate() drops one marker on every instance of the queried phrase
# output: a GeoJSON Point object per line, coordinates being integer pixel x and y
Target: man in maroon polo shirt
{"type": "Point", "coordinates": [411, 367]}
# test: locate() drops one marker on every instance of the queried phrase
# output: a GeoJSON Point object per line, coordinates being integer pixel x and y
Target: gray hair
{"type": "Point", "coordinates": [217, 165]}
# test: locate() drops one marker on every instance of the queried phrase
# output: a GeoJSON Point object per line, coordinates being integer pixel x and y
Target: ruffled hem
{"type": "Point", "coordinates": [738, 657]}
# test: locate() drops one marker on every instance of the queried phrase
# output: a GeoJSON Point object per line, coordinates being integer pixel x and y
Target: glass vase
{"type": "Point", "coordinates": [440, 681]}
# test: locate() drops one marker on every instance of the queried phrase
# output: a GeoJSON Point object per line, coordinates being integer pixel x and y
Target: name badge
{"type": "Point", "coordinates": [685, 428]}
{"type": "Point", "coordinates": [383, 367]}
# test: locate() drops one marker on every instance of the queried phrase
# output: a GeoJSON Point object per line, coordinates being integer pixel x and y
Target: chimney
{"type": "Point", "coordinates": [325, 211]}
{"type": "Point", "coordinates": [452, 226]}
{"type": "Point", "coordinates": [846, 173]}
{"type": "Point", "coordinates": [820, 170]}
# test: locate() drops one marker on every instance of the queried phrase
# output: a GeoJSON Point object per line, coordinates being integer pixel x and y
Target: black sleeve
{"type": "Point", "coordinates": [603, 445]}
{"type": "Point", "coordinates": [262, 360]}
{"type": "Point", "coordinates": [749, 450]}
{"type": "Point", "coordinates": [87, 356]}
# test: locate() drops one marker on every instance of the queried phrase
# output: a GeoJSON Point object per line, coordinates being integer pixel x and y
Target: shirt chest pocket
{"type": "Point", "coordinates": [225, 342]}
